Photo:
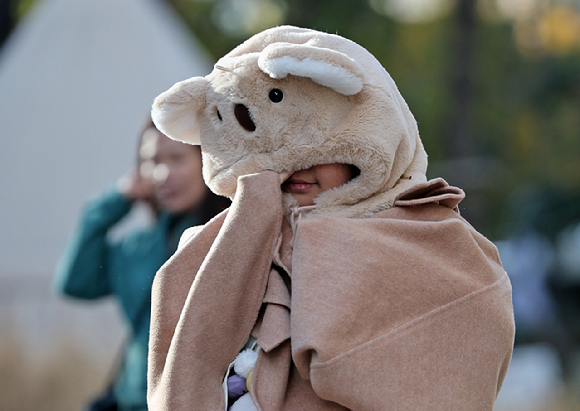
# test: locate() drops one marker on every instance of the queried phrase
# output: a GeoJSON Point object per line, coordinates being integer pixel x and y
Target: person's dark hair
{"type": "Point", "coordinates": [148, 124]}
{"type": "Point", "coordinates": [211, 205]}
{"type": "Point", "coordinates": [354, 171]}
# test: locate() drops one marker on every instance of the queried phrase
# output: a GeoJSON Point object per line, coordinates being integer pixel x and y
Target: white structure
{"type": "Point", "coordinates": [77, 79]}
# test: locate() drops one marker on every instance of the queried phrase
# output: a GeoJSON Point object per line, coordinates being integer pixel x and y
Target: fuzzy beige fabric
{"type": "Point", "coordinates": [409, 309]}
{"type": "Point", "coordinates": [339, 106]}
{"type": "Point", "coordinates": [381, 297]}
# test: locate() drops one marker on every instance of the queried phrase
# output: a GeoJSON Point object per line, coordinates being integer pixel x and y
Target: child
{"type": "Point", "coordinates": [354, 279]}
{"type": "Point", "coordinates": [305, 185]}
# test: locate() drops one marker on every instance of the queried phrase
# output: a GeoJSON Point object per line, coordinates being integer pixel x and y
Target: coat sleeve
{"type": "Point", "coordinates": [414, 312]}
{"type": "Point", "coordinates": [212, 287]}
{"type": "Point", "coordinates": [82, 270]}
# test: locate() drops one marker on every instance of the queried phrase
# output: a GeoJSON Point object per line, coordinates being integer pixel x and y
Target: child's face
{"type": "Point", "coordinates": [306, 185]}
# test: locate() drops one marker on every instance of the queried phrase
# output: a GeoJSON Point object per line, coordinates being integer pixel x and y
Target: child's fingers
{"type": "Point", "coordinates": [284, 176]}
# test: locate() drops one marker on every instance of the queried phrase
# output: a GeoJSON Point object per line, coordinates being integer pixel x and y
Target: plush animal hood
{"type": "Point", "coordinates": [290, 98]}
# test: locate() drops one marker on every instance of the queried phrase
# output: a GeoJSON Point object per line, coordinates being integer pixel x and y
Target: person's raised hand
{"type": "Point", "coordinates": [136, 187]}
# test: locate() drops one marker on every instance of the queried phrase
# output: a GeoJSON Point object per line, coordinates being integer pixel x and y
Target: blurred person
{"type": "Point", "coordinates": [168, 179]}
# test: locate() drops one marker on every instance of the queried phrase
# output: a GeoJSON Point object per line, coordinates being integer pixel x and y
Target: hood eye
{"type": "Point", "coordinates": [219, 115]}
{"type": "Point", "coordinates": [276, 95]}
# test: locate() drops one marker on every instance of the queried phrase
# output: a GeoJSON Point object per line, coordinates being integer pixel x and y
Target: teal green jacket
{"type": "Point", "coordinates": [93, 267]}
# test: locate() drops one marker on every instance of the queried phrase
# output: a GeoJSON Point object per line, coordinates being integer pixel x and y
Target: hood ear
{"type": "Point", "coordinates": [324, 66]}
{"type": "Point", "coordinates": [175, 112]}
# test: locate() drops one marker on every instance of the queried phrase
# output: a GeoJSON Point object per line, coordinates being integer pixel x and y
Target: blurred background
{"type": "Point", "coordinates": [493, 84]}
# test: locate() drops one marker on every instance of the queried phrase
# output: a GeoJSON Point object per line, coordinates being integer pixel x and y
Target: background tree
{"type": "Point", "coordinates": [6, 20]}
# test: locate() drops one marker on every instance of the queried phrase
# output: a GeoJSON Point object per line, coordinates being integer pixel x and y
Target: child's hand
{"type": "Point", "coordinates": [284, 175]}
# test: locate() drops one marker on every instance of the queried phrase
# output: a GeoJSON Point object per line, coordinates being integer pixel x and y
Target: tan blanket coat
{"type": "Point", "coordinates": [407, 310]}
{"type": "Point", "coordinates": [381, 297]}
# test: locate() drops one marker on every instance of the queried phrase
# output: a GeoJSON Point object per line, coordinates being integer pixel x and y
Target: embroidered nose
{"type": "Point", "coordinates": [243, 116]}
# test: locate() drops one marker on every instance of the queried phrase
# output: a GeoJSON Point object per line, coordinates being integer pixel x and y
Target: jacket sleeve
{"type": "Point", "coordinates": [82, 270]}
{"type": "Point", "coordinates": [212, 287]}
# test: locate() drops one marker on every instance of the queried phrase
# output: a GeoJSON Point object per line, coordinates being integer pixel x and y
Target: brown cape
{"type": "Point", "coordinates": [407, 310]}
